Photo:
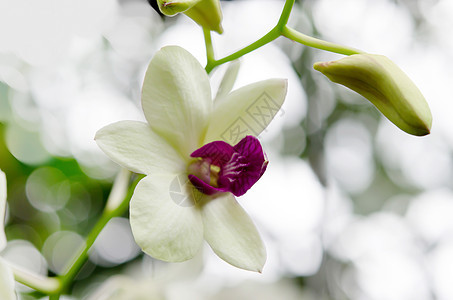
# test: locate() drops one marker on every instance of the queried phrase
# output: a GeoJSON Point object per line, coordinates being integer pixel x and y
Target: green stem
{"type": "Point", "coordinates": [273, 34]}
{"type": "Point", "coordinates": [83, 253]}
{"type": "Point", "coordinates": [107, 215]}
{"type": "Point", "coordinates": [317, 43]}
{"type": "Point", "coordinates": [281, 29]}
{"type": "Point", "coordinates": [118, 191]}
{"type": "Point", "coordinates": [117, 204]}
{"type": "Point", "coordinates": [267, 38]}
{"type": "Point", "coordinates": [38, 282]}
{"type": "Point", "coordinates": [284, 17]}
{"type": "Point", "coordinates": [208, 42]}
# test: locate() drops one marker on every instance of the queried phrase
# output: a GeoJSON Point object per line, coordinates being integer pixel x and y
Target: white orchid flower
{"type": "Point", "coordinates": [6, 275]}
{"type": "Point", "coordinates": [193, 170]}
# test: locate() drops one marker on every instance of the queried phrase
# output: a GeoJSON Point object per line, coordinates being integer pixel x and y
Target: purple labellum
{"type": "Point", "coordinates": [224, 168]}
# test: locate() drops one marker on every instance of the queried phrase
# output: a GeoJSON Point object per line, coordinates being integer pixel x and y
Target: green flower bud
{"type": "Point", "coordinates": [206, 13]}
{"type": "Point", "coordinates": [384, 84]}
{"type": "Point", "coordinates": [173, 7]}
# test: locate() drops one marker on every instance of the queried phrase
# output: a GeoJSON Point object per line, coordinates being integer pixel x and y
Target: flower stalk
{"type": "Point", "coordinates": [48, 285]}
{"type": "Point", "coordinates": [281, 29]}
{"type": "Point", "coordinates": [118, 192]}
{"type": "Point", "coordinates": [117, 204]}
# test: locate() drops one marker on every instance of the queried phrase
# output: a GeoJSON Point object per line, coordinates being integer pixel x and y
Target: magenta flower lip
{"type": "Point", "coordinates": [232, 169]}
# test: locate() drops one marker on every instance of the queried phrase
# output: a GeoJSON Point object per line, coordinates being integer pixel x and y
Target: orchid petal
{"type": "Point", "coordinates": [218, 152]}
{"type": "Point", "coordinates": [231, 233]}
{"type": "Point", "coordinates": [163, 228]}
{"type": "Point", "coordinates": [2, 209]}
{"type": "Point", "coordinates": [136, 147]}
{"type": "Point", "coordinates": [246, 111]}
{"type": "Point", "coordinates": [204, 187]}
{"type": "Point", "coordinates": [228, 80]}
{"type": "Point", "coordinates": [176, 98]}
{"type": "Point", "coordinates": [6, 282]}
{"type": "Point", "coordinates": [245, 168]}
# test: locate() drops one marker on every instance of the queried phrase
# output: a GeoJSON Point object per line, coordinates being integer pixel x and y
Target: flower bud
{"type": "Point", "coordinates": [173, 7]}
{"type": "Point", "coordinates": [384, 84]}
{"type": "Point", "coordinates": [206, 13]}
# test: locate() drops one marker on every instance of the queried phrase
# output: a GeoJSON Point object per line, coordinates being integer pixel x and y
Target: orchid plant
{"type": "Point", "coordinates": [198, 152]}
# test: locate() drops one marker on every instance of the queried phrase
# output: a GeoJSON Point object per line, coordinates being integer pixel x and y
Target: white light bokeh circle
{"type": "Point", "coordinates": [60, 248]}
{"type": "Point", "coordinates": [430, 214]}
{"type": "Point", "coordinates": [41, 32]}
{"type": "Point", "coordinates": [392, 275]}
{"type": "Point", "coordinates": [25, 145]}
{"type": "Point", "coordinates": [115, 244]}
{"type": "Point", "coordinates": [379, 233]}
{"type": "Point", "coordinates": [440, 262]}
{"type": "Point", "coordinates": [288, 205]}
{"type": "Point", "coordinates": [48, 189]}
{"type": "Point", "coordinates": [349, 155]}
{"type": "Point", "coordinates": [424, 162]}
{"type": "Point", "coordinates": [365, 24]}
{"type": "Point", "coordinates": [383, 259]}
{"type": "Point", "coordinates": [25, 255]}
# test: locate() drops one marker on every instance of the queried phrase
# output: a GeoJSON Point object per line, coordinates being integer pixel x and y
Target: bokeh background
{"type": "Point", "coordinates": [349, 208]}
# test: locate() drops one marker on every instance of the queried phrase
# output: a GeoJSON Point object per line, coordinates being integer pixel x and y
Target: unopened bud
{"type": "Point", "coordinates": [384, 84]}
{"type": "Point", "coordinates": [206, 13]}
{"type": "Point", "coordinates": [173, 7]}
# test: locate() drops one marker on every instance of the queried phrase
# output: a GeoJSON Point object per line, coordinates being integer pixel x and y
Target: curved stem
{"type": "Point", "coordinates": [117, 204]}
{"type": "Point", "coordinates": [82, 256]}
{"type": "Point", "coordinates": [281, 29]}
{"type": "Point", "coordinates": [38, 282]}
{"type": "Point", "coordinates": [317, 43]}
{"type": "Point", "coordinates": [285, 14]}
{"type": "Point", "coordinates": [273, 34]}
{"type": "Point", "coordinates": [267, 38]}
{"type": "Point", "coordinates": [107, 215]}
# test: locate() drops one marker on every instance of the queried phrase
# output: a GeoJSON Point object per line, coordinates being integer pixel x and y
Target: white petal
{"type": "Point", "coordinates": [176, 98]}
{"type": "Point", "coordinates": [232, 235]}
{"type": "Point", "coordinates": [136, 147]}
{"type": "Point", "coordinates": [228, 80]}
{"type": "Point", "coordinates": [164, 225]}
{"type": "Point", "coordinates": [246, 111]}
{"type": "Point", "coordinates": [2, 209]}
{"type": "Point", "coordinates": [6, 282]}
